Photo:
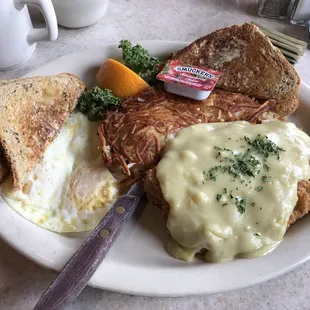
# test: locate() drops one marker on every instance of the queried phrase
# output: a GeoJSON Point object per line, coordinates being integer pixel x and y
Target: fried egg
{"type": "Point", "coordinates": [71, 189]}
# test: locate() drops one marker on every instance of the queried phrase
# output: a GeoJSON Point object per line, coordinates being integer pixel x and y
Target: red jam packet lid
{"type": "Point", "coordinates": [190, 76]}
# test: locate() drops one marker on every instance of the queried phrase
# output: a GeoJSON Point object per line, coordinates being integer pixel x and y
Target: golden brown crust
{"type": "Point", "coordinates": [155, 196]}
{"type": "Point", "coordinates": [32, 113]}
{"type": "Point", "coordinates": [303, 203]}
{"type": "Point", "coordinates": [287, 104]}
{"type": "Point", "coordinates": [137, 131]}
{"type": "Point", "coordinates": [154, 193]}
{"type": "Point", "coordinates": [249, 63]}
{"type": "Point", "coordinates": [3, 166]}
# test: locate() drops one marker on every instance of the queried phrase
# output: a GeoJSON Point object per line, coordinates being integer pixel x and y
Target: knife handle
{"type": "Point", "coordinates": [78, 271]}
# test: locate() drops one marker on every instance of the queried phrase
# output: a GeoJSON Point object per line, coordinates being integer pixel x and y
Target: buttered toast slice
{"type": "Point", "coordinates": [32, 112]}
{"type": "Point", "coordinates": [249, 63]}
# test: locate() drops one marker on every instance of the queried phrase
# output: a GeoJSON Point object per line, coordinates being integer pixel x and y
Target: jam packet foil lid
{"type": "Point", "coordinates": [196, 77]}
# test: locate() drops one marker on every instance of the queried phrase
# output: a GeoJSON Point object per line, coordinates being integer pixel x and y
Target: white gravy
{"type": "Point", "coordinates": [232, 202]}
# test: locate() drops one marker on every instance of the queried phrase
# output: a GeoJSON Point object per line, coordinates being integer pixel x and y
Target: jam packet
{"type": "Point", "coordinates": [189, 81]}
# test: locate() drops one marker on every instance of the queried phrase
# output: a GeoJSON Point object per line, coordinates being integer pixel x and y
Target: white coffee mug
{"type": "Point", "coordinates": [79, 13]}
{"type": "Point", "coordinates": [18, 38]}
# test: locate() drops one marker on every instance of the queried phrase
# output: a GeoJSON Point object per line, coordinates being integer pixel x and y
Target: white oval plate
{"type": "Point", "coordinates": [137, 263]}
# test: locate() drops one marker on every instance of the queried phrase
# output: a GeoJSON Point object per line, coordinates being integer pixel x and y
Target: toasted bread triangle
{"type": "Point", "coordinates": [249, 63]}
{"type": "Point", "coordinates": [32, 112]}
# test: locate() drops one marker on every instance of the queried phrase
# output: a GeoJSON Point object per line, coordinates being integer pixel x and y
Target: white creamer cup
{"type": "Point", "coordinates": [79, 13]}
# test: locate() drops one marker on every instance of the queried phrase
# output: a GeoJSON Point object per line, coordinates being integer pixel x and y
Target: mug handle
{"type": "Point", "coordinates": [50, 33]}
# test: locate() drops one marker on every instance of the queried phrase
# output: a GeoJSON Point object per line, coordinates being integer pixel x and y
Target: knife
{"type": "Point", "coordinates": [78, 271]}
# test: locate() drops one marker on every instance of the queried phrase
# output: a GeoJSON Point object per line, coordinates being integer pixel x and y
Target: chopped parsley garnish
{"type": "Point", "coordinates": [218, 148]}
{"type": "Point", "coordinates": [262, 145]}
{"type": "Point", "coordinates": [212, 173]}
{"type": "Point", "coordinates": [238, 201]}
{"type": "Point", "coordinates": [242, 166]}
{"type": "Point", "coordinates": [240, 204]}
{"type": "Point", "coordinates": [265, 178]}
{"type": "Point", "coordinates": [266, 167]}
{"type": "Point", "coordinates": [246, 164]}
{"type": "Point", "coordinates": [256, 234]}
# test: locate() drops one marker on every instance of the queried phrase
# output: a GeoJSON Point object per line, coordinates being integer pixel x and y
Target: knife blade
{"type": "Point", "coordinates": [78, 271]}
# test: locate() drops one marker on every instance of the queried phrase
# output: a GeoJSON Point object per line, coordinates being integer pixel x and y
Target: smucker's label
{"type": "Point", "coordinates": [190, 76]}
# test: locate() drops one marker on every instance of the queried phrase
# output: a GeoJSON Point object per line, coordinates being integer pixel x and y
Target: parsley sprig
{"type": "Point", "coordinates": [95, 101]}
{"type": "Point", "coordinates": [139, 60]}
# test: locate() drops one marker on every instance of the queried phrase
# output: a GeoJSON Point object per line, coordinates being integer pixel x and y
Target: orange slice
{"type": "Point", "coordinates": [122, 81]}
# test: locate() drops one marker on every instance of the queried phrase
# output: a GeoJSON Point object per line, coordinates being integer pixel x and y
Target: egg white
{"type": "Point", "coordinates": [70, 190]}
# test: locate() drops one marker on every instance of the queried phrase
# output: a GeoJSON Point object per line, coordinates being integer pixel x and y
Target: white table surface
{"type": "Point", "coordinates": [22, 282]}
